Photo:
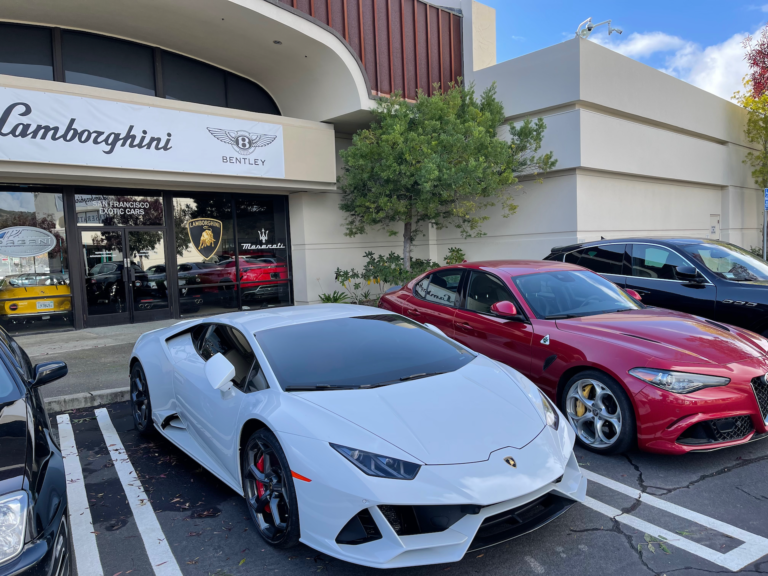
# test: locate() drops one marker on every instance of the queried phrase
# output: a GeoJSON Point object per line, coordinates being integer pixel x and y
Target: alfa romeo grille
{"type": "Point", "coordinates": [760, 388]}
{"type": "Point", "coordinates": [724, 430]}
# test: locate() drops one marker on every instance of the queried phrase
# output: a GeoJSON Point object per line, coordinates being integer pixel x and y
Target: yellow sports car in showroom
{"type": "Point", "coordinates": [33, 297]}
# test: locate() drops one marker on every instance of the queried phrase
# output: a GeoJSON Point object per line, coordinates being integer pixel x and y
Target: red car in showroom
{"type": "Point", "coordinates": [621, 372]}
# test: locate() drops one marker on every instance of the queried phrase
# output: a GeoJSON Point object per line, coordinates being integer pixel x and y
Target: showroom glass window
{"type": "Point", "coordinates": [262, 236]}
{"type": "Point", "coordinates": [34, 289]}
{"type": "Point", "coordinates": [205, 253]}
{"type": "Point", "coordinates": [26, 51]}
{"type": "Point", "coordinates": [104, 62]}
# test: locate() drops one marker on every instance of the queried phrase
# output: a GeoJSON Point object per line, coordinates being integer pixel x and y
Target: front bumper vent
{"type": "Point", "coordinates": [519, 521]}
{"type": "Point", "coordinates": [760, 388]}
{"type": "Point", "coordinates": [359, 530]}
{"type": "Point", "coordinates": [715, 431]}
{"type": "Point", "coordinates": [410, 520]}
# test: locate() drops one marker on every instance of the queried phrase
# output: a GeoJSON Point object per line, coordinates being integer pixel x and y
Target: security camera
{"type": "Point", "coordinates": [588, 27]}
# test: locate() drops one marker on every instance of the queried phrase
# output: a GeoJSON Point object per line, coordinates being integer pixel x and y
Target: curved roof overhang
{"type": "Point", "coordinates": [312, 74]}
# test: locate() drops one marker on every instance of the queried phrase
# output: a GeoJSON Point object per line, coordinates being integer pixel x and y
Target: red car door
{"type": "Point", "coordinates": [502, 339]}
{"type": "Point", "coordinates": [434, 299]}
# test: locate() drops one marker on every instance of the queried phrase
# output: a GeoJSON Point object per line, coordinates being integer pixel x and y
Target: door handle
{"type": "Point", "coordinates": [462, 326]}
{"type": "Point", "coordinates": [413, 312]}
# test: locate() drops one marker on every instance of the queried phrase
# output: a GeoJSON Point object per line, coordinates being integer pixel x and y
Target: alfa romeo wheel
{"type": "Point", "coordinates": [141, 407]}
{"type": "Point", "coordinates": [600, 412]}
{"type": "Point", "coordinates": [269, 490]}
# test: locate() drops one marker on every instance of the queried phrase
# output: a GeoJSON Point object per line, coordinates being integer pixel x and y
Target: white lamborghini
{"type": "Point", "coordinates": [359, 432]}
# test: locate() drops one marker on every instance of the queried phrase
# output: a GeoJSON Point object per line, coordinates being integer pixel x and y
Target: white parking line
{"type": "Point", "coordinates": [754, 547]}
{"type": "Point", "coordinates": [83, 538]}
{"type": "Point", "coordinates": [160, 555]}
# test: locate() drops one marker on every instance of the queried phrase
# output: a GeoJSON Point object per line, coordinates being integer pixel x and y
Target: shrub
{"type": "Point", "coordinates": [334, 298]}
{"type": "Point", "coordinates": [455, 256]}
{"type": "Point", "coordinates": [382, 271]}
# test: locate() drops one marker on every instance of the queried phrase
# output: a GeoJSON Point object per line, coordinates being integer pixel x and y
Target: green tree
{"type": "Point", "coordinates": [437, 161]}
{"type": "Point", "coordinates": [755, 131]}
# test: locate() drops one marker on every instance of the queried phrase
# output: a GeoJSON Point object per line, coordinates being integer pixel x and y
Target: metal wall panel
{"type": "Point", "coordinates": [404, 45]}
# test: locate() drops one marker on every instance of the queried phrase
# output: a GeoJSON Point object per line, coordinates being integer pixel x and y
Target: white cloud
{"type": "Point", "coordinates": [639, 46]}
{"type": "Point", "coordinates": [718, 68]}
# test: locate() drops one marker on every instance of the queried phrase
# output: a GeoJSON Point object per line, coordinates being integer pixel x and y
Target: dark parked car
{"type": "Point", "coordinates": [34, 523]}
{"type": "Point", "coordinates": [708, 278]}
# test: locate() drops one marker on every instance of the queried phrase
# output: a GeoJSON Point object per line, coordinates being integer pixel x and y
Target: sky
{"type": "Point", "coordinates": [697, 41]}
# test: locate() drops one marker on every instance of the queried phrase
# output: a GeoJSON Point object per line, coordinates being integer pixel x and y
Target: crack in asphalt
{"type": "Point", "coordinates": [617, 529]}
{"type": "Point", "coordinates": [758, 497]}
{"type": "Point", "coordinates": [666, 491]}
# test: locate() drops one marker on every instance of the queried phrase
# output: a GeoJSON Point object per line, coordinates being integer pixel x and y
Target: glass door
{"type": "Point", "coordinates": [105, 271]}
{"type": "Point", "coordinates": [147, 277]}
{"type": "Point", "coordinates": [125, 276]}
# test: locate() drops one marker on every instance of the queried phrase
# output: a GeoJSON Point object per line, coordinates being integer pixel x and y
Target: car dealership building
{"type": "Point", "coordinates": [168, 158]}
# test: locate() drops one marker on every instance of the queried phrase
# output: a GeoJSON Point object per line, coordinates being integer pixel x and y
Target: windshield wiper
{"type": "Point", "coordinates": [421, 375]}
{"type": "Point", "coordinates": [318, 387]}
{"type": "Point", "coordinates": [561, 316]}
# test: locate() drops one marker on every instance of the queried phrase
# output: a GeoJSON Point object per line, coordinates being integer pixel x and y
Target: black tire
{"type": "Point", "coordinates": [604, 425]}
{"type": "Point", "coordinates": [277, 492]}
{"type": "Point", "coordinates": [141, 407]}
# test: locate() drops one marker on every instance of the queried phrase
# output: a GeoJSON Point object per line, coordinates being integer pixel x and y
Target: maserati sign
{"type": "Point", "coordinates": [57, 128]}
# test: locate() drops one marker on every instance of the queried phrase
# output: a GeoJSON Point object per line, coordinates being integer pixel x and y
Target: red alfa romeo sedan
{"type": "Point", "coordinates": [623, 373]}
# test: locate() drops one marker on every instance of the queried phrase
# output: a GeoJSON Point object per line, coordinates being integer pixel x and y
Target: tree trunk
{"type": "Point", "coordinates": [407, 233]}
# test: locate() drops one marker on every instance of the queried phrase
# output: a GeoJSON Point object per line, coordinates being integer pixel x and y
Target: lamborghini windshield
{"type": "Point", "coordinates": [358, 352]}
{"type": "Point", "coordinates": [559, 295]}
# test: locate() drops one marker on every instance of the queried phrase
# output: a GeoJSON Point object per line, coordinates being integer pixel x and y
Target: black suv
{"type": "Point", "coordinates": [708, 278]}
{"type": "Point", "coordinates": [34, 531]}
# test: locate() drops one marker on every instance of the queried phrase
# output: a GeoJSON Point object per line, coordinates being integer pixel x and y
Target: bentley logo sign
{"type": "Point", "coordinates": [205, 234]}
{"type": "Point", "coordinates": [241, 141]}
{"type": "Point", "coordinates": [510, 461]}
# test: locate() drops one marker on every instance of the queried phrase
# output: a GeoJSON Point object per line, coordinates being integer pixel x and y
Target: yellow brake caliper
{"type": "Point", "coordinates": [581, 409]}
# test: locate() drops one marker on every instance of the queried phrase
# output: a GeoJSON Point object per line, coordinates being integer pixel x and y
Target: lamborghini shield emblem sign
{"type": "Point", "coordinates": [205, 234]}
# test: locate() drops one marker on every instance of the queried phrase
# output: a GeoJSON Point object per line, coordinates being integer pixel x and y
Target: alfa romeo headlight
{"type": "Point", "coordinates": [13, 522]}
{"type": "Point", "coordinates": [378, 465]}
{"type": "Point", "coordinates": [678, 382]}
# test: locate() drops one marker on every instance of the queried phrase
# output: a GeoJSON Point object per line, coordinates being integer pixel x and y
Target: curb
{"type": "Point", "coordinates": [86, 399]}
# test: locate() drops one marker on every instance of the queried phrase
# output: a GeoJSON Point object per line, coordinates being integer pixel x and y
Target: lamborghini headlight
{"type": "Point", "coordinates": [678, 382]}
{"type": "Point", "coordinates": [13, 522]}
{"type": "Point", "coordinates": [378, 465]}
{"type": "Point", "coordinates": [550, 412]}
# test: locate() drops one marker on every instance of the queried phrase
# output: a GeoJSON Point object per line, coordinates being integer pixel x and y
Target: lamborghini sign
{"type": "Point", "coordinates": [205, 234]}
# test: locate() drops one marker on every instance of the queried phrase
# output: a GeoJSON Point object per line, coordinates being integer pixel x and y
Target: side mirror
{"type": "Point", "coordinates": [689, 274]}
{"type": "Point", "coordinates": [633, 294]}
{"type": "Point", "coordinates": [505, 309]}
{"type": "Point", "coordinates": [48, 372]}
{"type": "Point", "coordinates": [219, 372]}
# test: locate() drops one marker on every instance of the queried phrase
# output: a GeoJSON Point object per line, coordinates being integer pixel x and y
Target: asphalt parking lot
{"type": "Point", "coordinates": [156, 511]}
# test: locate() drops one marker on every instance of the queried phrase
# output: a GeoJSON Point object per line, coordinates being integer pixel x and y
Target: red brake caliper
{"type": "Point", "coordinates": [259, 486]}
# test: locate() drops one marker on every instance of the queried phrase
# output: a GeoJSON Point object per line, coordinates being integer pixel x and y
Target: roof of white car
{"type": "Point", "coordinates": [257, 320]}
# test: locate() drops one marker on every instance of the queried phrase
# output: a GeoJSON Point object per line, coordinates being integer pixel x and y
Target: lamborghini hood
{"type": "Point", "coordinates": [453, 418]}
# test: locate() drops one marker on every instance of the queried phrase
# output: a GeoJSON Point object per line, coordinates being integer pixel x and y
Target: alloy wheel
{"type": "Point", "coordinates": [266, 491]}
{"type": "Point", "coordinates": [594, 412]}
{"type": "Point", "coordinates": [140, 399]}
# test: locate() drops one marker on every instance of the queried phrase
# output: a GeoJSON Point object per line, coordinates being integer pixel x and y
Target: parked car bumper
{"type": "Point", "coordinates": [709, 419]}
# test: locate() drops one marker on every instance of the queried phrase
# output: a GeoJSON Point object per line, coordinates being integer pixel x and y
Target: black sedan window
{"type": "Point", "coordinates": [556, 295]}
{"type": "Point", "coordinates": [729, 262]}
{"type": "Point", "coordinates": [363, 351]}
{"type": "Point", "coordinates": [8, 391]}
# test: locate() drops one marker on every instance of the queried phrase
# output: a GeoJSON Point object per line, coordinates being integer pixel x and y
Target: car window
{"type": "Point", "coordinates": [18, 357]}
{"type": "Point", "coordinates": [655, 262]}
{"type": "Point", "coordinates": [107, 268]}
{"type": "Point", "coordinates": [571, 294]}
{"type": "Point", "coordinates": [444, 287]}
{"type": "Point", "coordinates": [8, 390]}
{"type": "Point", "coordinates": [728, 261]}
{"type": "Point", "coordinates": [231, 344]}
{"type": "Point", "coordinates": [358, 351]}
{"type": "Point", "coordinates": [484, 291]}
{"type": "Point", "coordinates": [608, 259]}
{"type": "Point", "coordinates": [421, 288]}
{"type": "Point", "coordinates": [573, 257]}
